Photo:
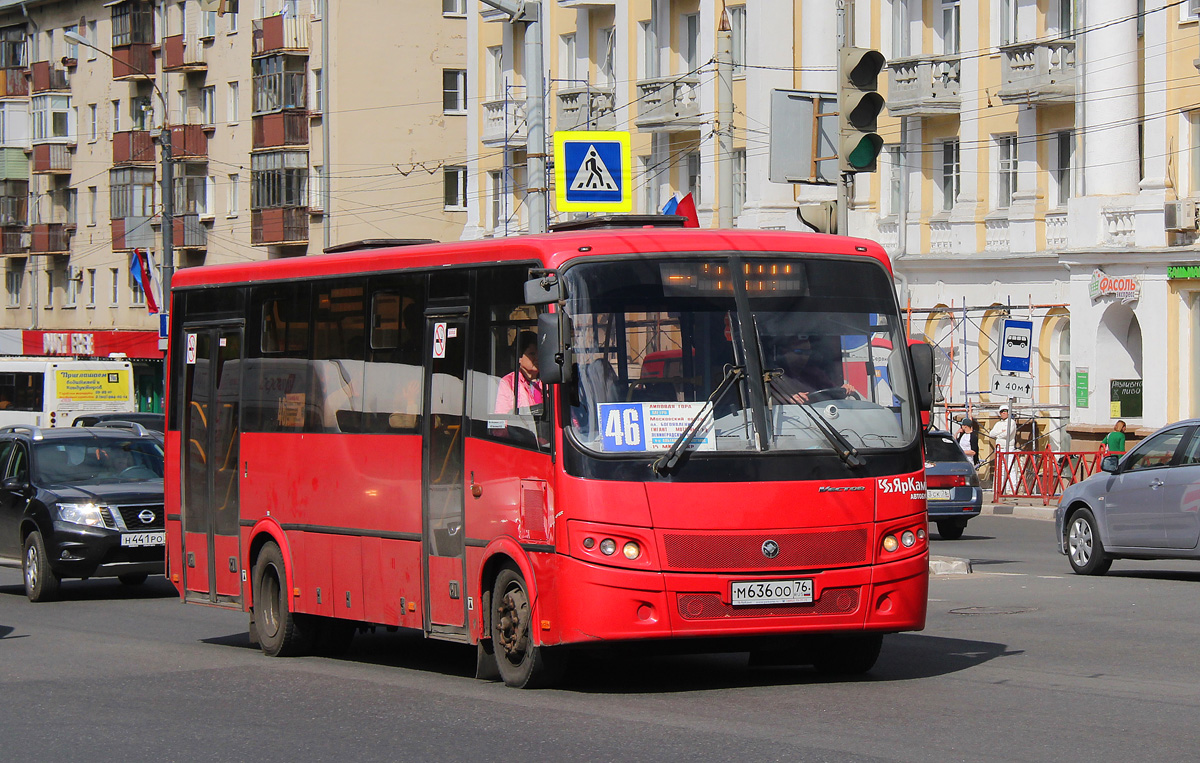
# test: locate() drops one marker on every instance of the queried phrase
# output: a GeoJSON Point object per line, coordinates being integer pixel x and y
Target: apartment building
{"type": "Point", "coordinates": [294, 125]}
{"type": "Point", "coordinates": [1042, 163]}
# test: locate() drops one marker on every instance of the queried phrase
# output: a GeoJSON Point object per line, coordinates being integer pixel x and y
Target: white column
{"type": "Point", "coordinates": [963, 221]}
{"type": "Point", "coordinates": [769, 43]}
{"type": "Point", "coordinates": [1110, 105]}
{"type": "Point", "coordinates": [477, 198]}
{"type": "Point", "coordinates": [1022, 230]}
{"type": "Point", "coordinates": [1151, 230]}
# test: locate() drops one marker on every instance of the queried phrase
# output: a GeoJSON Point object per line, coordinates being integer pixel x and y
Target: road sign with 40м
{"type": "Point", "coordinates": [1004, 385]}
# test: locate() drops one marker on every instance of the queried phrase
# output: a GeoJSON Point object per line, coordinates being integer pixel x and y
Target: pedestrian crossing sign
{"type": "Point", "coordinates": [593, 171]}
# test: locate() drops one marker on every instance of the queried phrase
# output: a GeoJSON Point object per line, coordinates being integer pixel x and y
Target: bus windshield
{"type": "Point", "coordinates": [813, 344]}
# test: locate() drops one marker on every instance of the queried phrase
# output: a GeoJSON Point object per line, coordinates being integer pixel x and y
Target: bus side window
{"type": "Point", "coordinates": [393, 377]}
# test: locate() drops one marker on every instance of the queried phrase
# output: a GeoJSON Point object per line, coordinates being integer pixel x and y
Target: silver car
{"type": "Point", "coordinates": [1143, 505]}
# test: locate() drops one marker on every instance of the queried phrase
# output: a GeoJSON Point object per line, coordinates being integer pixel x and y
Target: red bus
{"type": "Point", "coordinates": [369, 437]}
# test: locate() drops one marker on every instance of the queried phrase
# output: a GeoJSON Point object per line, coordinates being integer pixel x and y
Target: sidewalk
{"type": "Point", "coordinates": [1024, 508]}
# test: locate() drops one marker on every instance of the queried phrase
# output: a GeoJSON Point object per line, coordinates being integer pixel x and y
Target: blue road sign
{"type": "Point", "coordinates": [1016, 345]}
{"type": "Point", "coordinates": [593, 171]}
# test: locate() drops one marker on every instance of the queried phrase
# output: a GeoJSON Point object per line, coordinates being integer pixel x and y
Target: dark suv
{"type": "Point", "coordinates": [80, 502]}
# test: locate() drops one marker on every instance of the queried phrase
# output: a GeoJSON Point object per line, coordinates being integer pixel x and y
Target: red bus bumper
{"type": "Point", "coordinates": [609, 604]}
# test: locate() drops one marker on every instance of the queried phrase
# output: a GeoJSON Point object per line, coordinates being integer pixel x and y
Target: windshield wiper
{"type": "Point", "coordinates": [667, 461]}
{"type": "Point", "coordinates": [844, 449]}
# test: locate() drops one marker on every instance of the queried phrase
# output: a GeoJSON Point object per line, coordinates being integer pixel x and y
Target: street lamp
{"type": "Point", "coordinates": [167, 266]}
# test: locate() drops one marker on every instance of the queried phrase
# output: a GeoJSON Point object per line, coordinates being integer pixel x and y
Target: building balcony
{"type": "Point", "coordinates": [283, 128]}
{"type": "Point", "coordinates": [504, 123]}
{"type": "Point", "coordinates": [923, 87]}
{"type": "Point", "coordinates": [184, 53]}
{"type": "Point", "coordinates": [133, 147]}
{"type": "Point", "coordinates": [669, 104]}
{"type": "Point", "coordinates": [189, 233]}
{"type": "Point", "coordinates": [15, 83]}
{"type": "Point", "coordinates": [132, 233]}
{"type": "Point", "coordinates": [14, 243]}
{"type": "Point", "coordinates": [1038, 72]}
{"type": "Point", "coordinates": [14, 164]}
{"type": "Point", "coordinates": [280, 33]}
{"type": "Point", "coordinates": [51, 159]}
{"type": "Point", "coordinates": [586, 107]}
{"type": "Point", "coordinates": [45, 77]}
{"type": "Point", "coordinates": [189, 142]}
{"type": "Point", "coordinates": [134, 61]}
{"type": "Point", "coordinates": [586, 4]}
{"type": "Point", "coordinates": [50, 238]}
{"type": "Point", "coordinates": [281, 225]}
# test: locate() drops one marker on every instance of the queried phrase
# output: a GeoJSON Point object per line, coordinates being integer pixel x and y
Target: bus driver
{"type": "Point", "coordinates": [805, 372]}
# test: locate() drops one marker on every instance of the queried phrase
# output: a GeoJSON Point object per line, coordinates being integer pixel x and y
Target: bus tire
{"type": "Point", "coordinates": [847, 655]}
{"type": "Point", "coordinates": [280, 633]}
{"type": "Point", "coordinates": [521, 663]}
{"type": "Point", "coordinates": [41, 582]}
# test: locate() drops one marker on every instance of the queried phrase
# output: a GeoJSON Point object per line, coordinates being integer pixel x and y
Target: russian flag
{"type": "Point", "coordinates": [139, 268]}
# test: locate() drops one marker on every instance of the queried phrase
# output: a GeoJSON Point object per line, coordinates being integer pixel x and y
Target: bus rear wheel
{"type": "Point", "coordinates": [280, 633]}
{"type": "Point", "coordinates": [521, 663]}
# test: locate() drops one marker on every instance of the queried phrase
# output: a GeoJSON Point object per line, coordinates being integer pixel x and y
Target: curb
{"type": "Point", "coordinates": [948, 565]}
{"type": "Point", "coordinates": [1044, 513]}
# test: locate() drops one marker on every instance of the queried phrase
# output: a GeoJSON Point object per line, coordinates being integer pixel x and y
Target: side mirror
{"type": "Point", "coordinates": [545, 289]}
{"type": "Point", "coordinates": [14, 483]}
{"type": "Point", "coordinates": [922, 360]}
{"type": "Point", "coordinates": [1109, 464]}
{"type": "Point", "coordinates": [555, 361]}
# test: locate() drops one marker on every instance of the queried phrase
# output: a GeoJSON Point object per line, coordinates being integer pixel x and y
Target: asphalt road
{"type": "Point", "coordinates": [1020, 661]}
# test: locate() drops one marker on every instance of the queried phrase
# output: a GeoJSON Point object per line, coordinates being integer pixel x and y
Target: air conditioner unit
{"type": "Point", "coordinates": [1180, 215]}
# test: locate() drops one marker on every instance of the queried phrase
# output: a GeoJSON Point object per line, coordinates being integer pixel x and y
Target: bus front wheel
{"type": "Point", "coordinates": [280, 633]}
{"type": "Point", "coordinates": [521, 663]}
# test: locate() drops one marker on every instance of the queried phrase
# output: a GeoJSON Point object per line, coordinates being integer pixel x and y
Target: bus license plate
{"type": "Point", "coordinates": [772, 592]}
{"type": "Point", "coordinates": [137, 540]}
{"type": "Point", "coordinates": [935, 494]}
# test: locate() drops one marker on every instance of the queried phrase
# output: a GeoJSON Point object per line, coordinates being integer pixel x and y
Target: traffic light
{"type": "Point", "coordinates": [859, 104]}
{"type": "Point", "coordinates": [821, 217]}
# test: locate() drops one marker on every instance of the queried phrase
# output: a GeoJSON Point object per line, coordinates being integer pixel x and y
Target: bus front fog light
{"type": "Point", "coordinates": [608, 547]}
{"type": "Point", "coordinates": [589, 543]}
{"type": "Point", "coordinates": [908, 539]}
{"type": "Point", "coordinates": [890, 543]}
{"type": "Point", "coordinates": [631, 550]}
{"type": "Point", "coordinates": [921, 534]}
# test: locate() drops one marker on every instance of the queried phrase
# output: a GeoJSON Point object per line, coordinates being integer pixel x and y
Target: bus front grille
{"type": "Point", "coordinates": [795, 550]}
{"type": "Point", "coordinates": [708, 606]}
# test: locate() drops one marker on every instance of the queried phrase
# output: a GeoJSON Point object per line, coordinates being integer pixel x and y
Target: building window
{"type": "Point", "coordinates": [74, 281]}
{"type": "Point", "coordinates": [693, 176]}
{"type": "Point", "coordinates": [115, 273]}
{"type": "Point", "coordinates": [132, 22]}
{"type": "Point", "coordinates": [208, 23]}
{"type": "Point", "coordinates": [49, 289]}
{"type": "Point", "coordinates": [193, 190]}
{"type": "Point", "coordinates": [316, 188]}
{"type": "Point", "coordinates": [454, 7]}
{"type": "Point", "coordinates": [137, 297]}
{"type": "Point", "coordinates": [737, 26]}
{"type": "Point", "coordinates": [12, 47]}
{"type": "Point", "coordinates": [141, 112]}
{"type": "Point", "coordinates": [94, 120]}
{"type": "Point", "coordinates": [91, 276]}
{"type": "Point", "coordinates": [14, 278]}
{"type": "Point", "coordinates": [72, 48]}
{"type": "Point", "coordinates": [131, 192]}
{"type": "Point", "coordinates": [950, 26]}
{"type": "Point", "coordinates": [234, 110]}
{"type": "Point", "coordinates": [1006, 170]}
{"type": "Point", "coordinates": [92, 36]}
{"type": "Point", "coordinates": [231, 13]}
{"type": "Point", "coordinates": [567, 62]}
{"type": "Point", "coordinates": [739, 181]}
{"type": "Point", "coordinates": [1008, 21]}
{"type": "Point", "coordinates": [454, 181]}
{"type": "Point", "coordinates": [495, 73]}
{"type": "Point", "coordinates": [93, 194]}
{"type": "Point", "coordinates": [232, 207]}
{"type": "Point", "coordinates": [892, 199]}
{"type": "Point", "coordinates": [605, 53]}
{"type": "Point", "coordinates": [208, 105]}
{"type": "Point", "coordinates": [454, 91]}
{"type": "Point", "coordinates": [279, 83]}
{"type": "Point", "coordinates": [950, 177]}
{"type": "Point", "coordinates": [51, 116]}
{"type": "Point", "coordinates": [648, 45]}
{"type": "Point", "coordinates": [496, 181]}
{"type": "Point", "coordinates": [1062, 147]}
{"type": "Point", "coordinates": [183, 108]}
{"type": "Point", "coordinates": [1193, 9]}
{"type": "Point", "coordinates": [318, 92]}
{"type": "Point", "coordinates": [691, 46]}
{"type": "Point", "coordinates": [1066, 17]}
{"type": "Point", "coordinates": [278, 179]}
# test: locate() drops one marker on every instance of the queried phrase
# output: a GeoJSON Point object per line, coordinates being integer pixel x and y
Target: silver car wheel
{"type": "Point", "coordinates": [31, 567]}
{"type": "Point", "coordinates": [1079, 541]}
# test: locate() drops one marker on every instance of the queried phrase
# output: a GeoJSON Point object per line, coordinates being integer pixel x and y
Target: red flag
{"type": "Point", "coordinates": [141, 274]}
{"type": "Point", "coordinates": [687, 208]}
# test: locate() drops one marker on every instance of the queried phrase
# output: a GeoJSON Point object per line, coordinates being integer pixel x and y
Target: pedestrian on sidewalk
{"type": "Point", "coordinates": [1114, 441]}
{"type": "Point", "coordinates": [1004, 438]}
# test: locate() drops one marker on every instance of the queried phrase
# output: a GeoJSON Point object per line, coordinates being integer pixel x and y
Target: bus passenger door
{"type": "Point", "coordinates": [211, 425]}
{"type": "Point", "coordinates": [444, 426]}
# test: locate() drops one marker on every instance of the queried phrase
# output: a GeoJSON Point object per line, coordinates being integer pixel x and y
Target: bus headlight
{"type": "Point", "coordinates": [608, 547]}
{"type": "Point", "coordinates": [908, 539]}
{"type": "Point", "coordinates": [890, 543]}
{"type": "Point", "coordinates": [631, 550]}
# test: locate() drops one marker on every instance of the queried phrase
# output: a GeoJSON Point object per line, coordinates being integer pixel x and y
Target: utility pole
{"type": "Point", "coordinates": [168, 213]}
{"type": "Point", "coordinates": [529, 13]}
{"type": "Point", "coordinates": [845, 179]}
{"type": "Point", "coordinates": [725, 121]}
